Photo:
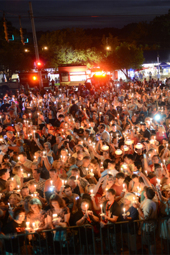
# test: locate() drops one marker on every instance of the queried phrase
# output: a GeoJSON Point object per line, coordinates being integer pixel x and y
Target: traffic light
{"type": "Point", "coordinates": [5, 31]}
{"type": "Point", "coordinates": [39, 64]}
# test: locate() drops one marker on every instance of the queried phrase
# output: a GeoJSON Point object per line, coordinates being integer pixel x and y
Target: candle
{"type": "Point", "coordinates": [158, 181]}
{"type": "Point", "coordinates": [51, 182]}
{"type": "Point", "coordinates": [27, 225]}
{"type": "Point", "coordinates": [124, 210]}
{"type": "Point", "coordinates": [86, 207]}
{"type": "Point", "coordinates": [91, 172]}
{"type": "Point", "coordinates": [91, 191]}
{"type": "Point", "coordinates": [76, 177]}
{"type": "Point", "coordinates": [101, 208]}
{"type": "Point", "coordinates": [55, 216]}
{"type": "Point", "coordinates": [33, 224]}
{"type": "Point", "coordinates": [62, 183]}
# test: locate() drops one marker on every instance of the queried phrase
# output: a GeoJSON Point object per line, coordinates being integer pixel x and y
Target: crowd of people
{"type": "Point", "coordinates": [71, 157]}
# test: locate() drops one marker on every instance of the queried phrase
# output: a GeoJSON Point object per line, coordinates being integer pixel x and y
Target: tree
{"type": "Point", "coordinates": [111, 42]}
{"type": "Point", "coordinates": [14, 58]}
{"type": "Point", "coordinates": [67, 55]}
{"type": "Point", "coordinates": [127, 56]}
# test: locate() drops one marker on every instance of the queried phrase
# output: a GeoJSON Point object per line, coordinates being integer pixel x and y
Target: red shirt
{"type": "Point", "coordinates": [118, 189]}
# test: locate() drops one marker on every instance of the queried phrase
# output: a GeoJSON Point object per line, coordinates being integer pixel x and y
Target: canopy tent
{"type": "Point", "coordinates": [163, 65]}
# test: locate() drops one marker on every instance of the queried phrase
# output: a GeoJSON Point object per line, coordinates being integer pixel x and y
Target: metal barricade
{"type": "Point", "coordinates": [128, 237]}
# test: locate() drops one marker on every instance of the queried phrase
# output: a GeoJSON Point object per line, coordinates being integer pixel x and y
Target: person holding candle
{"type": "Point", "coordinates": [148, 211]}
{"type": "Point", "coordinates": [73, 199]}
{"type": "Point", "coordinates": [14, 200]}
{"type": "Point", "coordinates": [56, 181]}
{"type": "Point", "coordinates": [130, 214]}
{"type": "Point", "coordinates": [118, 186]}
{"type": "Point", "coordinates": [36, 214]}
{"type": "Point", "coordinates": [18, 175]}
{"type": "Point", "coordinates": [57, 217]}
{"type": "Point", "coordinates": [24, 162]}
{"type": "Point", "coordinates": [111, 213]}
{"type": "Point", "coordinates": [86, 216]}
{"type": "Point", "coordinates": [10, 189]}
{"type": "Point", "coordinates": [14, 227]}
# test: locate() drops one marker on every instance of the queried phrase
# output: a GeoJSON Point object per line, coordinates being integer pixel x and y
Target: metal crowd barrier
{"type": "Point", "coordinates": [136, 237]}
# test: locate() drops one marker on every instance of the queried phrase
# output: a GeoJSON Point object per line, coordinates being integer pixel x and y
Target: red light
{"type": "Point", "coordinates": [34, 78]}
{"type": "Point", "coordinates": [100, 73]}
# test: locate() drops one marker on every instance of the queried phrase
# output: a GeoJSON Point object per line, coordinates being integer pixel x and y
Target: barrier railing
{"type": "Point", "coordinates": [137, 237]}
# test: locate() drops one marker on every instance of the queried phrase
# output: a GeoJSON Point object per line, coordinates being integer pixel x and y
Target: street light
{"type": "Point", "coordinates": [26, 50]}
{"type": "Point", "coordinates": [108, 48]}
{"type": "Point", "coordinates": [45, 48]}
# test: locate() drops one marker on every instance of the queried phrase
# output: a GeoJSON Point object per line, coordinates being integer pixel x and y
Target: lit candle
{"type": "Point", "coordinates": [101, 208]}
{"type": "Point", "coordinates": [91, 191]}
{"type": "Point", "coordinates": [86, 207]}
{"type": "Point", "coordinates": [62, 183]}
{"type": "Point", "coordinates": [51, 182]}
{"type": "Point", "coordinates": [27, 225]}
{"type": "Point", "coordinates": [33, 224]}
{"type": "Point", "coordinates": [158, 181]}
{"type": "Point", "coordinates": [91, 173]}
{"type": "Point", "coordinates": [124, 210]}
{"type": "Point", "coordinates": [76, 177]}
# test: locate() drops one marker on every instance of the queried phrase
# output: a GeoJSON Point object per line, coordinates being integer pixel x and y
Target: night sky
{"type": "Point", "coordinates": [58, 14]}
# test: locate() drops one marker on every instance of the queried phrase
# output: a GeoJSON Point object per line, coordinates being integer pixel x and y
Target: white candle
{"type": "Point", "coordinates": [101, 207]}
{"type": "Point", "coordinates": [33, 224]}
{"type": "Point", "coordinates": [62, 183]}
{"type": "Point", "coordinates": [158, 181]}
{"type": "Point", "coordinates": [86, 208]}
{"type": "Point", "coordinates": [27, 224]}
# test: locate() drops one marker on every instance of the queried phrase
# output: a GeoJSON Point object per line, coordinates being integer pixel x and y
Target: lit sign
{"type": "Point", "coordinates": [78, 78]}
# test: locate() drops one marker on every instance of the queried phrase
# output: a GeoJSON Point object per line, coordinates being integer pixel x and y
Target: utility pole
{"type": "Point", "coordinates": [35, 42]}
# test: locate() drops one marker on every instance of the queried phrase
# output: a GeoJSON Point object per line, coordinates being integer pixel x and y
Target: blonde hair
{"type": "Point", "coordinates": [16, 196]}
{"type": "Point", "coordinates": [131, 197]}
{"type": "Point", "coordinates": [11, 181]}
